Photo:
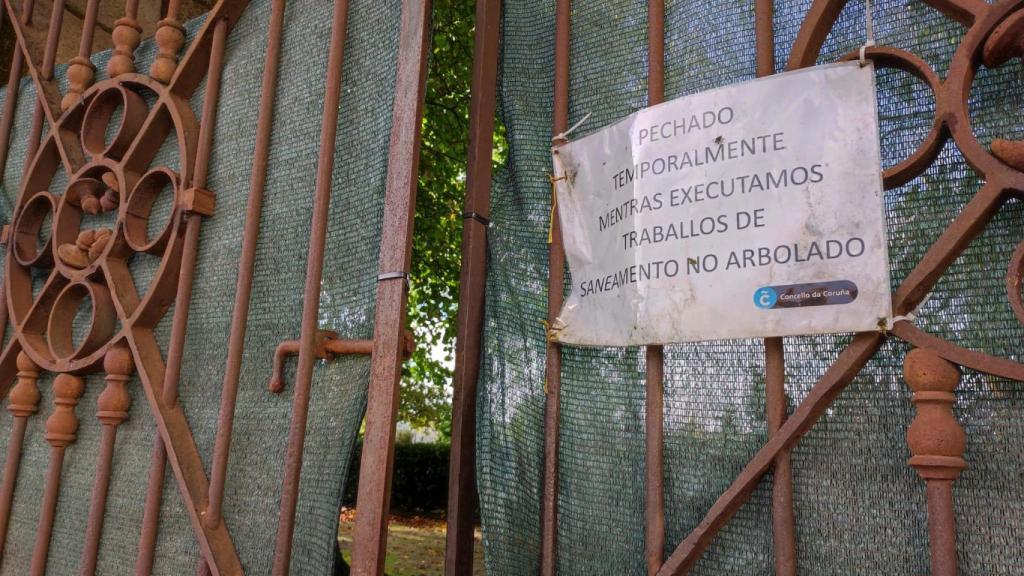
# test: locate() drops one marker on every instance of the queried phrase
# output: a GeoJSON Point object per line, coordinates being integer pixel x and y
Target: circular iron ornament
{"type": "Point", "coordinates": [140, 210]}
{"type": "Point", "coordinates": [995, 34]}
{"type": "Point", "coordinates": [102, 320]}
{"type": "Point", "coordinates": [118, 103]}
{"type": "Point", "coordinates": [99, 223]}
{"type": "Point", "coordinates": [29, 248]}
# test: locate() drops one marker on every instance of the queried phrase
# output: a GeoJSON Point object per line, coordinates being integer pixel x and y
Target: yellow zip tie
{"type": "Point", "coordinates": [554, 206]}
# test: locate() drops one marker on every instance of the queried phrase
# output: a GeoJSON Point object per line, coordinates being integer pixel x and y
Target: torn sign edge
{"type": "Point", "coordinates": [563, 179]}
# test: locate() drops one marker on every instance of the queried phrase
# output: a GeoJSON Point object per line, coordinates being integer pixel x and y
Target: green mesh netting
{"type": "Point", "coordinates": [859, 506]}
{"type": "Point", "coordinates": [347, 306]}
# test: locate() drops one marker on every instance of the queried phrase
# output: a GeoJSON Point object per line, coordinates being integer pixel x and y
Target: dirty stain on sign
{"type": "Point", "coordinates": [752, 210]}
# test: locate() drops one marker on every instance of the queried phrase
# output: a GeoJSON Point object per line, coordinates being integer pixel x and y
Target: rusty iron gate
{"type": "Point", "coordinates": [105, 135]}
{"type": "Point", "coordinates": [993, 35]}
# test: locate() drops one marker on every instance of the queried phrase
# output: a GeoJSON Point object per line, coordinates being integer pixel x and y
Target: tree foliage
{"type": "Point", "coordinates": [434, 278]}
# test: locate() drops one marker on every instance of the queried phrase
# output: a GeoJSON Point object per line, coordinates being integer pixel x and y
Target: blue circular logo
{"type": "Point", "coordinates": [765, 298]}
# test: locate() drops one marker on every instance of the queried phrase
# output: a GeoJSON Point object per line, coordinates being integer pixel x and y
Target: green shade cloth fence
{"type": "Point", "coordinates": [859, 507]}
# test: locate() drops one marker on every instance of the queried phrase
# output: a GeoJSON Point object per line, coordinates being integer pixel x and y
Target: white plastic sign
{"type": "Point", "coordinates": [752, 210]}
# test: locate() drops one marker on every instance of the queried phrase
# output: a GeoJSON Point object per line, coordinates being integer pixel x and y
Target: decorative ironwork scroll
{"type": "Point", "coordinates": [993, 37]}
{"type": "Point", "coordinates": [75, 304]}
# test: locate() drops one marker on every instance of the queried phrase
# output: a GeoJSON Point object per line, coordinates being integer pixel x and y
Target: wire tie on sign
{"type": "Point", "coordinates": [564, 136]}
{"type": "Point", "coordinates": [869, 26]}
{"type": "Point", "coordinates": [394, 276]}
{"type": "Point", "coordinates": [554, 206]}
{"type": "Point", "coordinates": [909, 316]}
{"type": "Point", "coordinates": [470, 215]}
{"type": "Point", "coordinates": [551, 330]}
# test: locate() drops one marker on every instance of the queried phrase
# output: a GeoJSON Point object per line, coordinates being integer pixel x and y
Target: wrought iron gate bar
{"type": "Point", "coordinates": [556, 280]}
{"type": "Point", "coordinates": [820, 397]}
{"type": "Point", "coordinates": [126, 37]}
{"type": "Point", "coordinates": [472, 282]}
{"type": "Point", "coordinates": [133, 149]}
{"type": "Point", "coordinates": [61, 431]}
{"type": "Point", "coordinates": [112, 409]}
{"type": "Point", "coordinates": [1000, 183]}
{"type": "Point", "coordinates": [247, 262]}
{"type": "Point", "coordinates": [937, 445]}
{"type": "Point", "coordinates": [47, 93]}
{"type": "Point", "coordinates": [776, 401]}
{"type": "Point", "coordinates": [374, 496]}
{"type": "Point", "coordinates": [190, 249]}
{"type": "Point", "coordinates": [22, 402]}
{"type": "Point", "coordinates": [311, 292]}
{"type": "Point", "coordinates": [105, 176]}
{"type": "Point", "coordinates": [51, 107]}
{"type": "Point", "coordinates": [654, 378]}
{"type": "Point", "coordinates": [81, 71]}
{"type": "Point", "coordinates": [7, 118]}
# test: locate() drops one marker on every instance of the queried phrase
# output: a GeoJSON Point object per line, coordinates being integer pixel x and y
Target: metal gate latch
{"type": "Point", "coordinates": [327, 346]}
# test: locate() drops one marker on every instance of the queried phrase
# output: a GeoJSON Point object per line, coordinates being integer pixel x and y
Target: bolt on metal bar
{"type": "Point", "coordinates": [374, 498]}
{"type": "Point", "coordinates": [183, 299]}
{"type": "Point", "coordinates": [654, 417]}
{"type": "Point", "coordinates": [472, 283]}
{"type": "Point", "coordinates": [246, 264]}
{"type": "Point", "coordinates": [556, 279]}
{"type": "Point", "coordinates": [311, 291]}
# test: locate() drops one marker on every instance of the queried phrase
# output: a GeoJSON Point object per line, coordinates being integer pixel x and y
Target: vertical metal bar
{"type": "Point", "coordinates": [170, 36]}
{"type": "Point", "coordinates": [81, 71]}
{"type": "Point", "coordinates": [151, 510]}
{"type": "Point", "coordinates": [556, 279]}
{"type": "Point", "coordinates": [783, 520]}
{"type": "Point", "coordinates": [183, 299]}
{"type": "Point", "coordinates": [94, 529]}
{"type": "Point", "coordinates": [764, 36]}
{"type": "Point", "coordinates": [654, 418]}
{"type": "Point", "coordinates": [374, 498]}
{"type": "Point", "coordinates": [11, 468]}
{"type": "Point", "coordinates": [11, 101]}
{"type": "Point", "coordinates": [23, 402]}
{"type": "Point", "coordinates": [51, 492]}
{"type": "Point", "coordinates": [126, 37]}
{"type": "Point", "coordinates": [941, 528]}
{"type": "Point", "coordinates": [10, 106]}
{"type": "Point", "coordinates": [112, 410]}
{"type": "Point", "coordinates": [61, 431]}
{"type": "Point", "coordinates": [6, 126]}
{"type": "Point", "coordinates": [88, 28]}
{"type": "Point", "coordinates": [49, 58]}
{"type": "Point", "coordinates": [937, 443]}
{"type": "Point", "coordinates": [243, 288]}
{"type": "Point", "coordinates": [311, 291]}
{"type": "Point", "coordinates": [472, 282]}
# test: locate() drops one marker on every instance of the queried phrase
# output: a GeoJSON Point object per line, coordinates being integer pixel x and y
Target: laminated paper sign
{"type": "Point", "coordinates": [752, 210]}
